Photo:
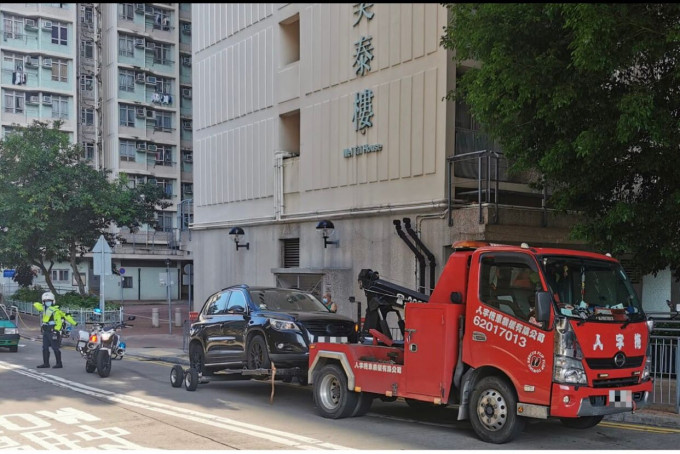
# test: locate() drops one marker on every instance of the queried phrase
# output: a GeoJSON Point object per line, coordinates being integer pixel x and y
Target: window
{"type": "Point", "coordinates": [15, 61]}
{"type": "Point", "coordinates": [14, 27]}
{"type": "Point", "coordinates": [59, 33]}
{"type": "Point", "coordinates": [127, 115]}
{"type": "Point", "coordinates": [126, 80]}
{"type": "Point", "coordinates": [161, 19]}
{"type": "Point", "coordinates": [87, 116]}
{"type": "Point", "coordinates": [88, 150]}
{"type": "Point", "coordinates": [217, 305]}
{"type": "Point", "coordinates": [86, 82]}
{"type": "Point", "coordinates": [509, 282]}
{"type": "Point", "coordinates": [163, 85]}
{"type": "Point", "coordinates": [87, 17]}
{"type": "Point", "coordinates": [59, 107]}
{"type": "Point", "coordinates": [163, 120]}
{"type": "Point", "coordinates": [237, 303]}
{"type": "Point", "coordinates": [161, 54]}
{"type": "Point", "coordinates": [87, 49]}
{"type": "Point", "coordinates": [126, 11]}
{"type": "Point", "coordinates": [126, 282]}
{"type": "Point", "coordinates": [126, 46]}
{"type": "Point", "coordinates": [60, 275]}
{"type": "Point", "coordinates": [290, 40]}
{"type": "Point", "coordinates": [59, 70]}
{"type": "Point", "coordinates": [128, 150]}
{"type": "Point", "coordinates": [164, 156]}
{"type": "Point", "coordinates": [14, 101]}
{"type": "Point", "coordinates": [164, 222]}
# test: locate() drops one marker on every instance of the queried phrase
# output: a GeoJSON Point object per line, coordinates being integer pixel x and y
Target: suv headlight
{"type": "Point", "coordinates": [11, 331]}
{"type": "Point", "coordinates": [283, 325]}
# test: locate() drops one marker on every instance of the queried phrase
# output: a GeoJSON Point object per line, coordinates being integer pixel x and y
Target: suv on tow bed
{"type": "Point", "coordinates": [250, 327]}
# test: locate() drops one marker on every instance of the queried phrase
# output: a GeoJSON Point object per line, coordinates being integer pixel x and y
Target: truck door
{"type": "Point", "coordinates": [501, 329]}
{"type": "Point", "coordinates": [423, 346]}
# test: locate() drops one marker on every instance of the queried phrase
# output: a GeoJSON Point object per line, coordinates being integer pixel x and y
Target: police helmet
{"type": "Point", "coordinates": [48, 296]}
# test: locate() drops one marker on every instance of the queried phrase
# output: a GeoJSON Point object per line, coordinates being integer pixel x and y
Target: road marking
{"type": "Point", "coordinates": [660, 430]}
{"type": "Point", "coordinates": [288, 439]}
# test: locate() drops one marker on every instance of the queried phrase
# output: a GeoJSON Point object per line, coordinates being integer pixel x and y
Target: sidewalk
{"type": "Point", "coordinates": [157, 344]}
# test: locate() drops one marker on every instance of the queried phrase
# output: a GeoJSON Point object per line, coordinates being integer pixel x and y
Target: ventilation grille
{"type": "Point", "coordinates": [291, 253]}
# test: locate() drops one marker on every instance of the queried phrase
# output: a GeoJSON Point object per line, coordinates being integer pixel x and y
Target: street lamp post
{"type": "Point", "coordinates": [167, 292]}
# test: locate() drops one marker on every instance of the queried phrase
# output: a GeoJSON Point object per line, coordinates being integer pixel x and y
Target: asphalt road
{"type": "Point", "coordinates": [136, 408]}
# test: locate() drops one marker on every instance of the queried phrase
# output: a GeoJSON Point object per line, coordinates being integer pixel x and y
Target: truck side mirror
{"type": "Point", "coordinates": [543, 306]}
{"type": "Point", "coordinates": [456, 298]}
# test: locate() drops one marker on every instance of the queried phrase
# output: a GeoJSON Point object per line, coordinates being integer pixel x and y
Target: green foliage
{"type": "Point", "coordinates": [24, 275]}
{"type": "Point", "coordinates": [29, 294]}
{"type": "Point", "coordinates": [586, 95]}
{"type": "Point", "coordinates": [56, 205]}
{"type": "Point", "coordinates": [71, 300]}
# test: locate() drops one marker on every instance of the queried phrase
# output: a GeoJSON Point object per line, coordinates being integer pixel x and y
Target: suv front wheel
{"type": "Point", "coordinates": [258, 357]}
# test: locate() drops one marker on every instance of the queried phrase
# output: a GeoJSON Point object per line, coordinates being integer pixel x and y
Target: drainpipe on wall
{"type": "Point", "coordinates": [419, 256]}
{"type": "Point", "coordinates": [421, 245]}
{"type": "Point", "coordinates": [278, 176]}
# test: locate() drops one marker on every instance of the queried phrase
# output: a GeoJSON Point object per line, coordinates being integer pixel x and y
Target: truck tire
{"type": "Point", "coordinates": [493, 411]}
{"type": "Point", "coordinates": [333, 399]}
{"type": "Point", "coordinates": [584, 422]}
{"type": "Point", "coordinates": [364, 403]}
{"type": "Point", "coordinates": [258, 356]}
{"type": "Point", "coordinates": [103, 363]}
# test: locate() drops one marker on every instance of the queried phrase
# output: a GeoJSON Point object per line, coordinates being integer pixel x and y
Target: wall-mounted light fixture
{"type": "Point", "coordinates": [327, 228]}
{"type": "Point", "coordinates": [238, 233]}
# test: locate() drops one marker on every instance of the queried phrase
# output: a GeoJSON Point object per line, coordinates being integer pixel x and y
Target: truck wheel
{"type": "Point", "coordinates": [90, 366]}
{"type": "Point", "coordinates": [258, 357]}
{"type": "Point", "coordinates": [584, 422]}
{"type": "Point", "coordinates": [191, 380]}
{"type": "Point", "coordinates": [103, 363]}
{"type": "Point", "coordinates": [176, 376]}
{"type": "Point", "coordinates": [333, 399]}
{"type": "Point", "coordinates": [493, 411]}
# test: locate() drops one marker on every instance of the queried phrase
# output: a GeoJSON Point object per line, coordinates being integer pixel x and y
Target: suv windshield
{"type": "Point", "coordinates": [284, 300]}
{"type": "Point", "coordinates": [588, 288]}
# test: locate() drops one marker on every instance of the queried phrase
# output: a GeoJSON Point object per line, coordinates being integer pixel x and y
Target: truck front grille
{"type": "Point", "coordinates": [608, 363]}
{"type": "Point", "coordinates": [615, 382]}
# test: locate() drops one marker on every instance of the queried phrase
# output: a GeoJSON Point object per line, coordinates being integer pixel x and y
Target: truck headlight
{"type": "Point", "coordinates": [283, 325]}
{"type": "Point", "coordinates": [11, 331]}
{"type": "Point", "coordinates": [569, 370]}
{"type": "Point", "coordinates": [646, 373]}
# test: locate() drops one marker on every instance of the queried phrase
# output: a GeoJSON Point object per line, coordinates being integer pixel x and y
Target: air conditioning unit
{"type": "Point", "coordinates": [141, 146]}
{"type": "Point", "coordinates": [186, 124]}
{"type": "Point", "coordinates": [140, 43]}
{"type": "Point", "coordinates": [186, 61]}
{"type": "Point", "coordinates": [150, 45]}
{"type": "Point", "coordinates": [139, 7]}
{"type": "Point", "coordinates": [150, 114]}
{"type": "Point", "coordinates": [30, 23]}
{"type": "Point", "coordinates": [141, 112]}
{"type": "Point", "coordinates": [47, 25]}
{"type": "Point", "coordinates": [152, 147]}
{"type": "Point", "coordinates": [188, 158]}
{"type": "Point", "coordinates": [151, 80]}
{"type": "Point", "coordinates": [32, 61]}
{"type": "Point", "coordinates": [33, 100]}
{"type": "Point", "coordinates": [47, 100]}
{"type": "Point", "coordinates": [47, 62]}
{"type": "Point", "coordinates": [140, 78]}
{"type": "Point", "coordinates": [186, 93]}
{"type": "Point", "coordinates": [186, 29]}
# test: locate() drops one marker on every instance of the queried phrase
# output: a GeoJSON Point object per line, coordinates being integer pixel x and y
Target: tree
{"type": "Point", "coordinates": [56, 205]}
{"type": "Point", "coordinates": [587, 95]}
{"type": "Point", "coordinates": [24, 275]}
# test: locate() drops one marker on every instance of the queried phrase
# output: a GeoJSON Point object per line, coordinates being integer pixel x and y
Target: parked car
{"type": "Point", "coordinates": [249, 327]}
{"type": "Point", "coordinates": [9, 332]}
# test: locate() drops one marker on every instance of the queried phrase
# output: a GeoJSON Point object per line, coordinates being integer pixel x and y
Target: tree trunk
{"type": "Point", "coordinates": [76, 274]}
{"type": "Point", "coordinates": [47, 272]}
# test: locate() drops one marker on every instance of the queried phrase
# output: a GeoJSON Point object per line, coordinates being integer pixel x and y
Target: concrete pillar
{"type": "Point", "coordinates": [178, 317]}
{"type": "Point", "coordinates": [154, 318]}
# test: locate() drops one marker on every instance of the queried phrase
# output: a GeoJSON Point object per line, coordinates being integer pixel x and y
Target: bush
{"type": "Point", "coordinates": [70, 300]}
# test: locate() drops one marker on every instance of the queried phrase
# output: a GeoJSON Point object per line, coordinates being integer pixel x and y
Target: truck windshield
{"type": "Point", "coordinates": [591, 289]}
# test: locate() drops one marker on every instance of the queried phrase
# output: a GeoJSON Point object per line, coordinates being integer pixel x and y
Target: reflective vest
{"type": "Point", "coordinates": [54, 316]}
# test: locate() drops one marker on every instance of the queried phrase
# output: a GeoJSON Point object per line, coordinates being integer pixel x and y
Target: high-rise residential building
{"type": "Point", "coordinates": [325, 144]}
{"type": "Point", "coordinates": [119, 76]}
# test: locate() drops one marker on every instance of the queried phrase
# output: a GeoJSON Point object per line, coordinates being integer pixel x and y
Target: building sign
{"type": "Point", "coordinates": [362, 10]}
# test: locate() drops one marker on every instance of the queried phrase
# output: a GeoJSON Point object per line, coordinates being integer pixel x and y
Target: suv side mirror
{"type": "Point", "coordinates": [543, 306]}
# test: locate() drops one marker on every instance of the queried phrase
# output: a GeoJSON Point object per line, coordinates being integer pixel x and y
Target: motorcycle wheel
{"type": "Point", "coordinates": [90, 367]}
{"type": "Point", "coordinates": [103, 363]}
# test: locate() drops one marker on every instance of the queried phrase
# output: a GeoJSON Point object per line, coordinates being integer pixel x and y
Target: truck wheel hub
{"type": "Point", "coordinates": [492, 409]}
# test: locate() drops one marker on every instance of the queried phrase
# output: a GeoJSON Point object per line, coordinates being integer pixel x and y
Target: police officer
{"type": "Point", "coordinates": [52, 321]}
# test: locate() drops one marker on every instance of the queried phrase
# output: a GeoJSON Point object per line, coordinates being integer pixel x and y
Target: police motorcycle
{"type": "Point", "coordinates": [101, 345]}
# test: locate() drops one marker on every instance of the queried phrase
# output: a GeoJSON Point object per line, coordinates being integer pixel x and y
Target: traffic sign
{"type": "Point", "coordinates": [101, 257]}
{"type": "Point", "coordinates": [121, 271]}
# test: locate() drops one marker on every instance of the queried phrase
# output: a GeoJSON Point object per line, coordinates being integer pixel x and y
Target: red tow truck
{"type": "Point", "coordinates": [508, 333]}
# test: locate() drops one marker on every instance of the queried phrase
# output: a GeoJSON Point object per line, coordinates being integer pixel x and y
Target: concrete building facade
{"type": "Point", "coordinates": [119, 77]}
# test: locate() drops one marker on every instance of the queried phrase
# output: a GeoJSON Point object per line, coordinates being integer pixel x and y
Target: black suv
{"type": "Point", "coordinates": [249, 327]}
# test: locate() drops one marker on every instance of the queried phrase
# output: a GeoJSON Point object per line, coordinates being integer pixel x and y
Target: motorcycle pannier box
{"type": "Point", "coordinates": [83, 335]}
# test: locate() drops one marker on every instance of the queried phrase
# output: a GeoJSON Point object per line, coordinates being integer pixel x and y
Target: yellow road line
{"type": "Point", "coordinates": [660, 430]}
